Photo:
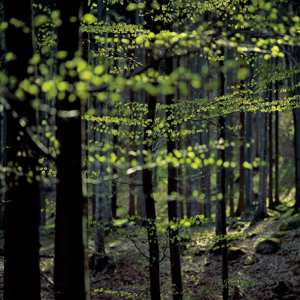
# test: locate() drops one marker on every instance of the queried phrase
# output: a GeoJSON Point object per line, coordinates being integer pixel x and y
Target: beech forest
{"type": "Point", "coordinates": [150, 149]}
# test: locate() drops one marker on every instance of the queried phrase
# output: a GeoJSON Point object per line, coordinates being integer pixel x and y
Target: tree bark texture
{"type": "Point", "coordinates": [22, 209]}
{"type": "Point", "coordinates": [71, 279]}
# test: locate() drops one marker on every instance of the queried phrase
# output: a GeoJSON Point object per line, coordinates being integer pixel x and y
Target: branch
{"type": "Point", "coordinates": [47, 278]}
{"type": "Point", "coordinates": [37, 144]}
{"type": "Point", "coordinates": [137, 247]}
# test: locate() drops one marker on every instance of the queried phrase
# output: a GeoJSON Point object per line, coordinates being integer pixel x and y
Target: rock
{"type": "Point", "coordinates": [273, 214]}
{"type": "Point", "coordinates": [236, 224]}
{"type": "Point", "coordinates": [248, 213]}
{"type": "Point", "coordinates": [237, 293]}
{"type": "Point", "coordinates": [282, 208]}
{"type": "Point", "coordinates": [269, 246]}
{"type": "Point", "coordinates": [199, 252]}
{"type": "Point", "coordinates": [281, 288]}
{"type": "Point", "coordinates": [290, 225]}
{"type": "Point", "coordinates": [250, 260]}
{"type": "Point", "coordinates": [281, 234]}
{"type": "Point", "coordinates": [235, 253]}
{"type": "Point", "coordinates": [297, 235]}
{"type": "Point", "coordinates": [251, 236]}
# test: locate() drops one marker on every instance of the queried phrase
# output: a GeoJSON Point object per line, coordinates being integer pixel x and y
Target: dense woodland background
{"type": "Point", "coordinates": [162, 136]}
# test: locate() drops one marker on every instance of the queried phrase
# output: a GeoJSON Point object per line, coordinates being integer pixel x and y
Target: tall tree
{"type": "Point", "coordinates": [22, 194]}
{"type": "Point", "coordinates": [261, 211]}
{"type": "Point", "coordinates": [154, 25]}
{"type": "Point", "coordinates": [271, 202]}
{"type": "Point", "coordinates": [71, 262]}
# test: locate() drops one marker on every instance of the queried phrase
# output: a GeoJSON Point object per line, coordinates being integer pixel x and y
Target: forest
{"type": "Point", "coordinates": [150, 149]}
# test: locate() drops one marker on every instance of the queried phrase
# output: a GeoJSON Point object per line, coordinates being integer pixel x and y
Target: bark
{"type": "Point", "coordinates": [261, 211]}
{"type": "Point", "coordinates": [22, 210]}
{"type": "Point", "coordinates": [225, 288]}
{"type": "Point", "coordinates": [150, 206]}
{"type": "Point", "coordinates": [140, 98]}
{"type": "Point", "coordinates": [249, 152]}
{"type": "Point", "coordinates": [195, 67]}
{"type": "Point", "coordinates": [71, 279]}
{"type": "Point", "coordinates": [296, 113]}
{"type": "Point", "coordinates": [114, 187]}
{"type": "Point", "coordinates": [147, 174]}
{"type": "Point", "coordinates": [241, 204]}
{"type": "Point", "coordinates": [175, 252]}
{"type": "Point", "coordinates": [131, 157]}
{"type": "Point", "coordinates": [249, 159]}
{"type": "Point", "coordinates": [277, 202]}
{"type": "Point", "coordinates": [271, 203]}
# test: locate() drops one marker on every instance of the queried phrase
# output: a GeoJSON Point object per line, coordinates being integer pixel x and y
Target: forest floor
{"type": "Point", "coordinates": [275, 276]}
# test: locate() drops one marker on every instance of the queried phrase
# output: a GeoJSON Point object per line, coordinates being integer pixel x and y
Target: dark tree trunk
{"type": "Point", "coordinates": [241, 204]}
{"type": "Point", "coordinates": [261, 211]}
{"type": "Point", "coordinates": [271, 203]}
{"type": "Point", "coordinates": [296, 113]}
{"type": "Point", "coordinates": [114, 187]}
{"type": "Point", "coordinates": [175, 252]}
{"type": "Point", "coordinates": [132, 176]}
{"type": "Point", "coordinates": [71, 261]}
{"type": "Point", "coordinates": [277, 202]}
{"type": "Point", "coordinates": [225, 287]}
{"type": "Point", "coordinates": [22, 210]}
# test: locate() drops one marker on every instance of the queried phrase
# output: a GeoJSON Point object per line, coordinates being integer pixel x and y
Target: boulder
{"type": "Point", "coordinates": [236, 224]}
{"type": "Point", "coordinates": [199, 252]}
{"type": "Point", "coordinates": [281, 234]}
{"type": "Point", "coordinates": [248, 213]}
{"type": "Point", "coordinates": [235, 253]}
{"type": "Point", "coordinates": [273, 214]}
{"type": "Point", "coordinates": [290, 225]}
{"type": "Point", "coordinates": [281, 289]}
{"type": "Point", "coordinates": [251, 235]}
{"type": "Point", "coordinates": [250, 260]}
{"type": "Point", "coordinates": [269, 246]}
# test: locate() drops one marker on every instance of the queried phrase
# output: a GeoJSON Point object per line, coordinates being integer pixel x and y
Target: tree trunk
{"type": "Point", "coordinates": [241, 204]}
{"type": "Point", "coordinates": [296, 113]}
{"type": "Point", "coordinates": [22, 210]}
{"type": "Point", "coordinates": [271, 203]}
{"type": "Point", "coordinates": [225, 287]}
{"type": "Point", "coordinates": [277, 202]}
{"type": "Point", "coordinates": [261, 211]}
{"type": "Point", "coordinates": [71, 257]}
{"type": "Point", "coordinates": [155, 27]}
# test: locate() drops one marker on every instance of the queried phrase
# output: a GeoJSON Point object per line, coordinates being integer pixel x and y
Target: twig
{"type": "Point", "coordinates": [47, 278]}
{"type": "Point", "coordinates": [137, 247]}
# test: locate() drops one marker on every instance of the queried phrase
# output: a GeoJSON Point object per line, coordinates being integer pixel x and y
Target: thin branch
{"type": "Point", "coordinates": [47, 278]}
{"type": "Point", "coordinates": [37, 144]}
{"type": "Point", "coordinates": [137, 247]}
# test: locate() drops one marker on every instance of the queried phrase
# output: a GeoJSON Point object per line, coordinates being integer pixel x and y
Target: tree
{"type": "Point", "coordinates": [22, 193]}
{"type": "Point", "coordinates": [71, 263]}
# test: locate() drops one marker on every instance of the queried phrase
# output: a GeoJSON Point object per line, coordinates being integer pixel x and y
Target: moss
{"type": "Point", "coordinates": [290, 225]}
{"type": "Point", "coordinates": [280, 234]}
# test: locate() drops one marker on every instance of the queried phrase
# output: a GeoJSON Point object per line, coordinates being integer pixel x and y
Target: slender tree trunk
{"type": "Point", "coordinates": [271, 203]}
{"type": "Point", "coordinates": [22, 211]}
{"type": "Point", "coordinates": [147, 173]}
{"type": "Point", "coordinates": [277, 202]}
{"type": "Point", "coordinates": [296, 113]}
{"type": "Point", "coordinates": [249, 152]}
{"type": "Point", "coordinates": [140, 99]}
{"type": "Point", "coordinates": [241, 204]}
{"type": "Point", "coordinates": [150, 206]}
{"type": "Point", "coordinates": [132, 176]}
{"type": "Point", "coordinates": [114, 187]}
{"type": "Point", "coordinates": [261, 211]}
{"type": "Point", "coordinates": [71, 261]}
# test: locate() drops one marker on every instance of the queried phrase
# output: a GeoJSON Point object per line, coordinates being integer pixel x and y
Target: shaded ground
{"type": "Point", "coordinates": [275, 276]}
